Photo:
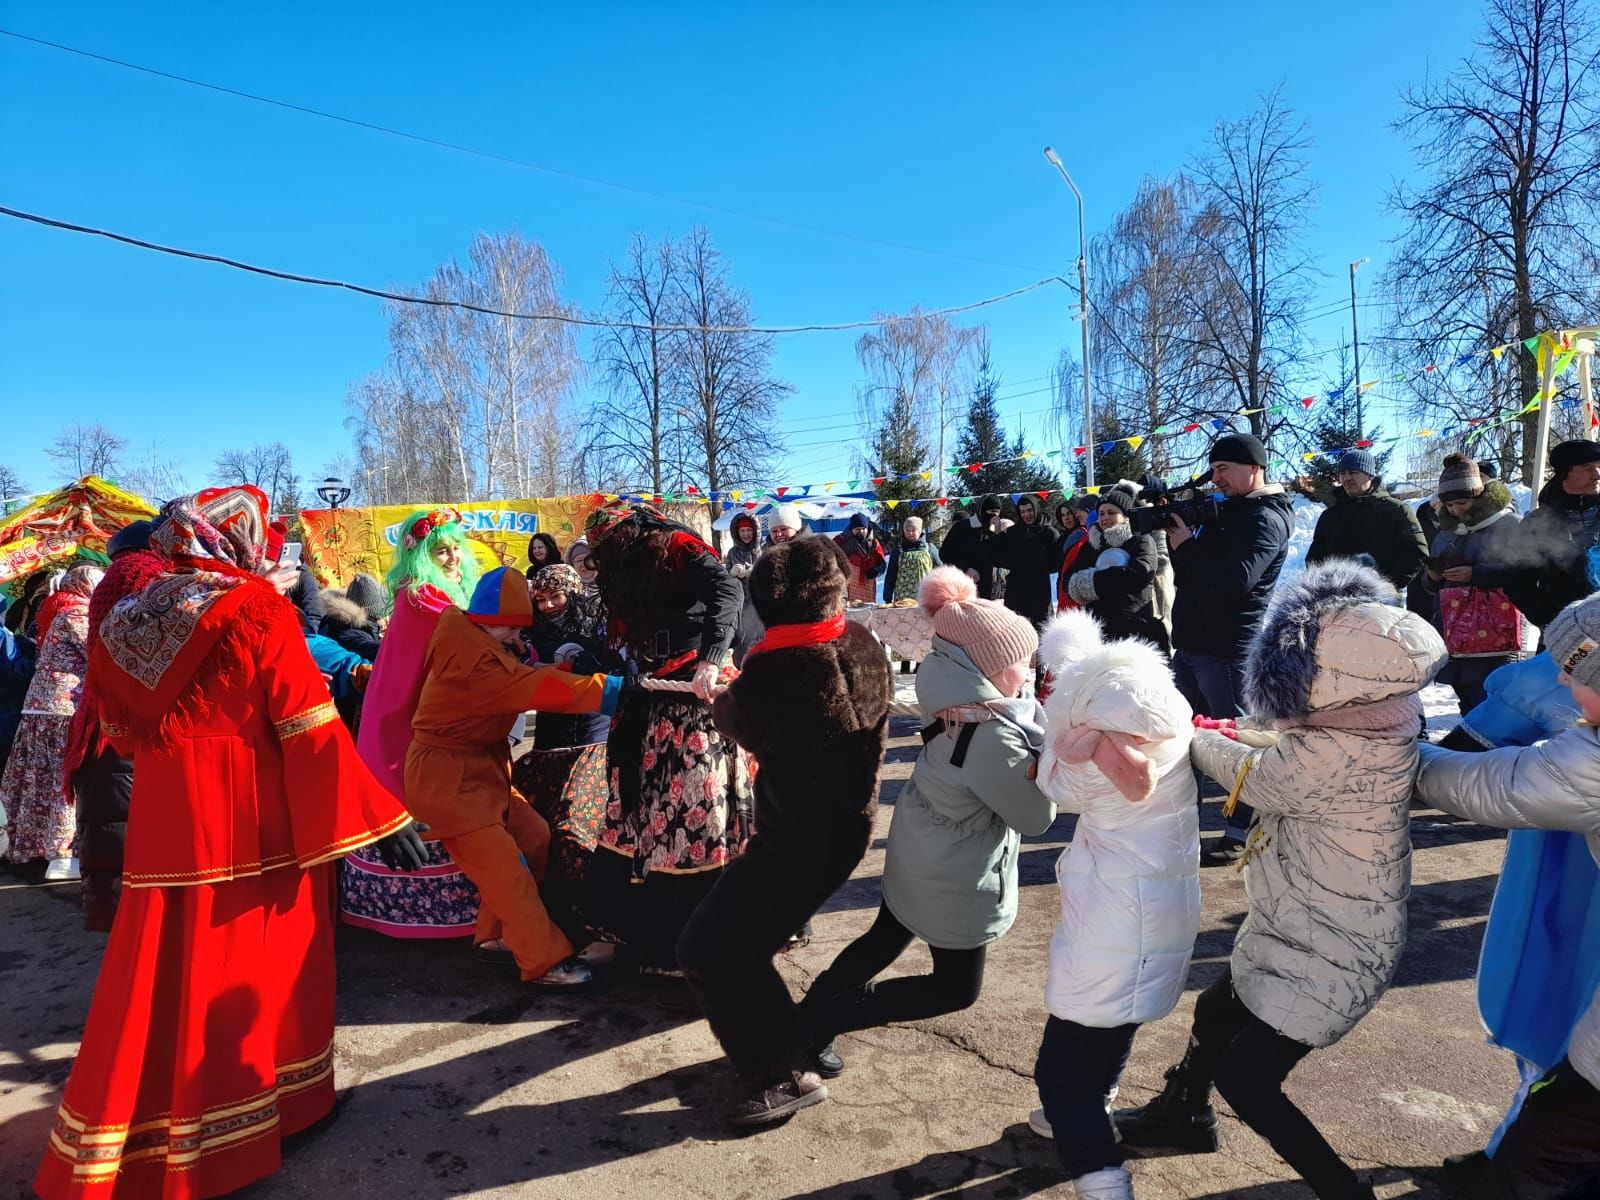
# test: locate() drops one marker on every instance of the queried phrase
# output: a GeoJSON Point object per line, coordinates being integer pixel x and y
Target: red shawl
{"type": "Point", "coordinates": [784, 637]}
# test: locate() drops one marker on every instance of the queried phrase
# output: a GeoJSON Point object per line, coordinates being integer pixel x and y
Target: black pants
{"type": "Point", "coordinates": [1077, 1070]}
{"type": "Point", "coordinates": [845, 997]}
{"type": "Point", "coordinates": [1248, 1061]}
{"type": "Point", "coordinates": [1214, 687]}
{"type": "Point", "coordinates": [727, 948]}
{"type": "Point", "coordinates": [1552, 1150]}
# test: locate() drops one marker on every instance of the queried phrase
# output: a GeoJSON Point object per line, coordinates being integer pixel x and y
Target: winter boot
{"type": "Point", "coordinates": [1113, 1183]}
{"type": "Point", "coordinates": [1180, 1118]}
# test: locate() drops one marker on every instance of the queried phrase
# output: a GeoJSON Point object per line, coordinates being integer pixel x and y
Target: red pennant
{"type": "Point", "coordinates": [780, 492]}
{"type": "Point", "coordinates": [693, 491]}
{"type": "Point", "coordinates": [1430, 367]}
{"type": "Point", "coordinates": [1191, 426]}
{"type": "Point", "coordinates": [1078, 450]}
{"type": "Point", "coordinates": [750, 504]}
{"type": "Point", "coordinates": [1042, 495]}
{"type": "Point", "coordinates": [943, 500]}
{"type": "Point", "coordinates": [1308, 401]}
{"type": "Point", "coordinates": [975, 467]}
{"type": "Point", "coordinates": [844, 504]}
{"type": "Point", "coordinates": [878, 482]}
{"type": "Point", "coordinates": [1364, 443]}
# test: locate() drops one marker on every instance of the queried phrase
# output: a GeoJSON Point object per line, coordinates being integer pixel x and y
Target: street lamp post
{"type": "Point", "coordinates": [333, 492]}
{"type": "Point", "coordinates": [1083, 319]}
{"type": "Point", "coordinates": [1355, 349]}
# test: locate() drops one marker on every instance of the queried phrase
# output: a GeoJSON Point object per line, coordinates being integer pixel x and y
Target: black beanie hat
{"type": "Point", "coordinates": [1573, 454]}
{"type": "Point", "coordinates": [989, 504]}
{"type": "Point", "coordinates": [1242, 448]}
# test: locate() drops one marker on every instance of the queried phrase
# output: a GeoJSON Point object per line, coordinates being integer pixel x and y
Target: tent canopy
{"type": "Point", "coordinates": [55, 527]}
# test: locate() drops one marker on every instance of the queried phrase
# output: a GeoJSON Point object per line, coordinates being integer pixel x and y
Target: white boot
{"type": "Point", "coordinates": [1114, 1183]}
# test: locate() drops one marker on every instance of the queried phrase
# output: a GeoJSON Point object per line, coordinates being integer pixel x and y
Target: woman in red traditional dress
{"type": "Point", "coordinates": [210, 1035]}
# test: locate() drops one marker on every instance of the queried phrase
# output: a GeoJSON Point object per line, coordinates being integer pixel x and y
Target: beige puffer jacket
{"type": "Point", "coordinates": [1328, 870]}
{"type": "Point", "coordinates": [1550, 785]}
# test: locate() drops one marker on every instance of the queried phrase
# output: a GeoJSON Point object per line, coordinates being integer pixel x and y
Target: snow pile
{"type": "Point", "coordinates": [1306, 512]}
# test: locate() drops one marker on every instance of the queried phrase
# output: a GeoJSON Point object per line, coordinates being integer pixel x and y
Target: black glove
{"type": "Point", "coordinates": [403, 850]}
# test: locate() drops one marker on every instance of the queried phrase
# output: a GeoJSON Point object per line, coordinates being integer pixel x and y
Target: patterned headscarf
{"type": "Point", "coordinates": [606, 518]}
{"type": "Point", "coordinates": [219, 526]}
{"type": "Point", "coordinates": [556, 580]}
{"type": "Point", "coordinates": [72, 590]}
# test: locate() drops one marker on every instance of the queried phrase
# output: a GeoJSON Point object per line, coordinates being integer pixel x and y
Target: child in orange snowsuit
{"type": "Point", "coordinates": [458, 770]}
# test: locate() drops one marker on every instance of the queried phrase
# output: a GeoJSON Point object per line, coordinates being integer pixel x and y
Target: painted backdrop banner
{"type": "Point", "coordinates": [342, 543]}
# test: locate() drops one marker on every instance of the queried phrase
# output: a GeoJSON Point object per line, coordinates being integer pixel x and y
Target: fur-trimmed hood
{"type": "Point", "coordinates": [1331, 639]}
{"type": "Point", "coordinates": [1119, 686]}
{"type": "Point", "coordinates": [340, 613]}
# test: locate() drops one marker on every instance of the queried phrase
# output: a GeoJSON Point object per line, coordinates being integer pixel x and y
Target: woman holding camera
{"type": "Point", "coordinates": [1116, 574]}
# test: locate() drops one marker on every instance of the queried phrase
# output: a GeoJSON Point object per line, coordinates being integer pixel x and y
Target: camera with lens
{"type": "Point", "coordinates": [1191, 502]}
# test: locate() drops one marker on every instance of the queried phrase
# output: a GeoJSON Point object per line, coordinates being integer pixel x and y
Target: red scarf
{"type": "Point", "coordinates": [784, 637]}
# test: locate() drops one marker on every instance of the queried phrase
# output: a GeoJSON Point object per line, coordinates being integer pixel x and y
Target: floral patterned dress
{"type": "Point", "coordinates": [43, 821]}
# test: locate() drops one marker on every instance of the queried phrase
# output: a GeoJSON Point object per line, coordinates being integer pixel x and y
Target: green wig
{"type": "Point", "coordinates": [419, 536]}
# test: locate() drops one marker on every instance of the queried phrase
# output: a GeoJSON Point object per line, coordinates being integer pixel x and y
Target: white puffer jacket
{"type": "Point", "coordinates": [1130, 883]}
{"type": "Point", "coordinates": [1549, 785]}
{"type": "Point", "coordinates": [1328, 864]}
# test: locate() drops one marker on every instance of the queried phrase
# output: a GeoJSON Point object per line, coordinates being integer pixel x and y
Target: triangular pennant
{"type": "Point", "coordinates": [1078, 450]}
{"type": "Point", "coordinates": [693, 491]}
{"type": "Point", "coordinates": [1015, 496]}
{"type": "Point", "coordinates": [1307, 401]}
{"type": "Point", "coordinates": [878, 482]}
{"type": "Point", "coordinates": [737, 495]}
{"type": "Point", "coordinates": [974, 467]}
{"type": "Point", "coordinates": [1191, 426]}
{"type": "Point", "coordinates": [1497, 352]}
{"type": "Point", "coordinates": [1531, 345]}
{"type": "Point", "coordinates": [779, 492]}
{"type": "Point", "coordinates": [1105, 447]}
{"type": "Point", "coordinates": [1218, 423]}
{"type": "Point", "coordinates": [890, 503]}
{"type": "Point", "coordinates": [943, 500]}
{"type": "Point", "coordinates": [1135, 441]}
{"type": "Point", "coordinates": [1055, 454]}
{"type": "Point", "coordinates": [1042, 495]}
{"type": "Point", "coordinates": [927, 476]}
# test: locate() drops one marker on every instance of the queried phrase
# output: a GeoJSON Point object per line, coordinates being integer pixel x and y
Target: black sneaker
{"type": "Point", "coordinates": [1223, 852]}
{"type": "Point", "coordinates": [1177, 1119]}
{"type": "Point", "coordinates": [827, 1063]}
{"type": "Point", "coordinates": [1461, 1172]}
{"type": "Point", "coordinates": [778, 1101]}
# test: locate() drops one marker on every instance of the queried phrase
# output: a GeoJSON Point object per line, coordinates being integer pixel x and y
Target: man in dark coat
{"type": "Point", "coordinates": [1224, 572]}
{"type": "Point", "coordinates": [812, 706]}
{"type": "Point", "coordinates": [1029, 551]}
{"type": "Point", "coordinates": [1362, 518]}
{"type": "Point", "coordinates": [970, 545]}
{"type": "Point", "coordinates": [1560, 538]}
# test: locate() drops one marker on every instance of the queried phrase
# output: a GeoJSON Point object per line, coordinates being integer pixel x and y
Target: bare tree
{"type": "Point", "coordinates": [923, 364]}
{"type": "Point", "coordinates": [12, 490]}
{"type": "Point", "coordinates": [266, 465]}
{"type": "Point", "coordinates": [727, 394]}
{"type": "Point", "coordinates": [1255, 199]}
{"type": "Point", "coordinates": [635, 437]}
{"type": "Point", "coordinates": [88, 450]}
{"type": "Point", "coordinates": [1151, 273]}
{"type": "Point", "coordinates": [487, 391]}
{"type": "Point", "coordinates": [1501, 240]}
{"type": "Point", "coordinates": [155, 474]}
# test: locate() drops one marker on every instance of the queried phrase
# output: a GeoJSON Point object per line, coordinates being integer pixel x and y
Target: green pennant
{"type": "Point", "coordinates": [1274, 410]}
{"type": "Point", "coordinates": [1055, 454]}
{"type": "Point", "coordinates": [1531, 345]}
{"type": "Point", "coordinates": [855, 484]}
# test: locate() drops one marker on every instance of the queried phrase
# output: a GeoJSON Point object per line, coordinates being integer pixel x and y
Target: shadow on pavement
{"type": "Point", "coordinates": [1017, 1163]}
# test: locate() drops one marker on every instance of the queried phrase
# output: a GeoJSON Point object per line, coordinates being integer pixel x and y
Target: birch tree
{"type": "Point", "coordinates": [920, 364]}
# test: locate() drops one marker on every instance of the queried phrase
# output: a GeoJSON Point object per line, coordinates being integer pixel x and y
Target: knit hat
{"type": "Point", "coordinates": [371, 595]}
{"type": "Point", "coordinates": [1573, 639]}
{"type": "Point", "coordinates": [1460, 479]}
{"type": "Point", "coordinates": [1358, 460]}
{"type": "Point", "coordinates": [501, 598]}
{"type": "Point", "coordinates": [989, 504]}
{"type": "Point", "coordinates": [1241, 448]}
{"type": "Point", "coordinates": [1573, 454]}
{"type": "Point", "coordinates": [993, 636]}
{"type": "Point", "coordinates": [786, 516]}
{"type": "Point", "coordinates": [133, 536]}
{"type": "Point", "coordinates": [860, 521]}
{"type": "Point", "coordinates": [1118, 497]}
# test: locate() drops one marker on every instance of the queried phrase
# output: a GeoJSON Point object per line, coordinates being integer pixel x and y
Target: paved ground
{"type": "Point", "coordinates": [457, 1082]}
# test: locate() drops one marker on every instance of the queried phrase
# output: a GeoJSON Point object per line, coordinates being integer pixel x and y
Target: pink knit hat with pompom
{"type": "Point", "coordinates": [993, 636]}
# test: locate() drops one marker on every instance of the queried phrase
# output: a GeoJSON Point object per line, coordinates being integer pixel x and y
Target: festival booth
{"type": "Point", "coordinates": [75, 522]}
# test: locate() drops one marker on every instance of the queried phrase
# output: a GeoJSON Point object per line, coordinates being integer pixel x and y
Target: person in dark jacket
{"type": "Point", "coordinates": [1117, 586]}
{"type": "Point", "coordinates": [970, 545]}
{"type": "Point", "coordinates": [344, 621]}
{"type": "Point", "coordinates": [912, 557]}
{"type": "Point", "coordinates": [1560, 541]}
{"type": "Point", "coordinates": [863, 551]}
{"type": "Point", "coordinates": [1362, 518]}
{"type": "Point", "coordinates": [812, 706]}
{"type": "Point", "coordinates": [1224, 572]}
{"type": "Point", "coordinates": [741, 556]}
{"type": "Point", "coordinates": [1420, 598]}
{"type": "Point", "coordinates": [1471, 563]}
{"type": "Point", "coordinates": [568, 629]}
{"type": "Point", "coordinates": [1029, 553]}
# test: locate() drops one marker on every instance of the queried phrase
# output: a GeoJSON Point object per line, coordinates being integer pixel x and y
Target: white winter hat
{"type": "Point", "coordinates": [786, 516]}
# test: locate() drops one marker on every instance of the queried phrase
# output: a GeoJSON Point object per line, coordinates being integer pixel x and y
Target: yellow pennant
{"type": "Point", "coordinates": [736, 495]}
{"type": "Point", "coordinates": [1136, 441]}
{"type": "Point", "coordinates": [890, 503]}
{"type": "Point", "coordinates": [927, 475]}
{"type": "Point", "coordinates": [1497, 352]}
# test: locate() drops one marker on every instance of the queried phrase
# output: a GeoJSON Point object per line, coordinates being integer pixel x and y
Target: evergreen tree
{"type": "Point", "coordinates": [898, 448]}
{"type": "Point", "coordinates": [1329, 436]}
{"type": "Point", "coordinates": [983, 440]}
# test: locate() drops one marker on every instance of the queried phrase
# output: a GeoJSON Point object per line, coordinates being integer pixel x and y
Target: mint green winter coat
{"type": "Point", "coordinates": [950, 870]}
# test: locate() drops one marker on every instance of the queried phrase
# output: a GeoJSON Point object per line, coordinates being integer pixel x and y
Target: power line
{"type": "Point", "coordinates": [558, 318]}
{"type": "Point", "coordinates": [494, 156]}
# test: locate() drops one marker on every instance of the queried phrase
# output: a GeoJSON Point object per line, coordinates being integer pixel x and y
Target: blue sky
{"type": "Point", "coordinates": [900, 124]}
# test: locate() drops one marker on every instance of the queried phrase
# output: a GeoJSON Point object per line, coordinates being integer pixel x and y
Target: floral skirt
{"type": "Point", "coordinates": [436, 901]}
{"type": "Point", "coordinates": [567, 788]}
{"type": "Point", "coordinates": [43, 821]}
{"type": "Point", "coordinates": [680, 807]}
